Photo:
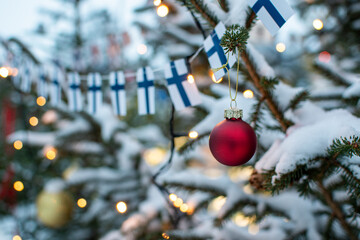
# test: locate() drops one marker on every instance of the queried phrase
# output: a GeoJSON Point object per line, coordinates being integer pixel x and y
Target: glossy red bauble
{"type": "Point", "coordinates": [232, 142]}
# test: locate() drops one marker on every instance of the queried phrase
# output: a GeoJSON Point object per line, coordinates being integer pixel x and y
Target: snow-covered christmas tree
{"type": "Point", "coordinates": [155, 177]}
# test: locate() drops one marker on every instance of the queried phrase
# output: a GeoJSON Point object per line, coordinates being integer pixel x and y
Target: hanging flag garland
{"type": "Point", "coordinates": [146, 91]}
{"type": "Point", "coordinates": [183, 93]}
{"type": "Point", "coordinates": [118, 94]}
{"type": "Point", "coordinates": [94, 94]}
{"type": "Point", "coordinates": [273, 14]}
{"type": "Point", "coordinates": [55, 88]}
{"type": "Point", "coordinates": [216, 53]}
{"type": "Point", "coordinates": [74, 93]}
{"type": "Point", "coordinates": [182, 88]}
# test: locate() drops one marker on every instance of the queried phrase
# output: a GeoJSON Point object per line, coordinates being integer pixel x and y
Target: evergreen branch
{"type": "Point", "coordinates": [224, 5]}
{"type": "Point", "coordinates": [345, 147]}
{"type": "Point", "coordinates": [201, 8]}
{"type": "Point", "coordinates": [188, 235]}
{"type": "Point", "coordinates": [352, 183]}
{"type": "Point", "coordinates": [24, 49]}
{"type": "Point", "coordinates": [250, 19]}
{"type": "Point", "coordinates": [336, 210]}
{"type": "Point", "coordinates": [279, 116]}
{"type": "Point", "coordinates": [257, 115]}
{"type": "Point", "coordinates": [191, 144]}
{"type": "Point", "coordinates": [269, 83]}
{"type": "Point", "coordinates": [330, 74]}
{"type": "Point", "coordinates": [235, 38]}
{"type": "Point", "coordinates": [285, 180]}
{"type": "Point", "coordinates": [301, 96]}
{"type": "Point", "coordinates": [191, 187]}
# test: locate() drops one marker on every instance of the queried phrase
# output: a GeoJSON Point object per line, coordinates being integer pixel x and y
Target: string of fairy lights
{"type": "Point", "coordinates": [157, 155]}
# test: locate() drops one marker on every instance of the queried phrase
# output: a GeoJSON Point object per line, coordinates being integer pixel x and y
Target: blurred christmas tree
{"type": "Point", "coordinates": [116, 171]}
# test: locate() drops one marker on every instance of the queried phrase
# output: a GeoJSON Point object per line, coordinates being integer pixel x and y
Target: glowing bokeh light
{"type": "Point", "coordinates": [34, 121]}
{"type": "Point", "coordinates": [318, 24]}
{"type": "Point", "coordinates": [121, 207]}
{"type": "Point", "coordinates": [162, 10]}
{"type": "Point", "coordinates": [193, 134]}
{"type": "Point", "coordinates": [41, 101]}
{"type": "Point", "coordinates": [280, 47]}
{"type": "Point", "coordinates": [18, 186]}
{"type": "Point", "coordinates": [81, 202]}
{"type": "Point", "coordinates": [191, 78]}
{"type": "Point", "coordinates": [4, 72]}
{"type": "Point", "coordinates": [18, 144]}
{"type": "Point", "coordinates": [248, 94]}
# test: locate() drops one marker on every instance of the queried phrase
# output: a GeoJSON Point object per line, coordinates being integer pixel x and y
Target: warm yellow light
{"type": "Point", "coordinates": [162, 10]}
{"type": "Point", "coordinates": [142, 49]}
{"type": "Point", "coordinates": [214, 79]}
{"type": "Point", "coordinates": [50, 153]}
{"type": "Point", "coordinates": [154, 156]}
{"type": "Point", "coordinates": [318, 24]}
{"type": "Point", "coordinates": [4, 72]}
{"type": "Point", "coordinates": [193, 134]}
{"type": "Point", "coordinates": [18, 186]}
{"type": "Point", "coordinates": [14, 72]}
{"type": "Point", "coordinates": [178, 202]}
{"type": "Point", "coordinates": [191, 78]}
{"type": "Point", "coordinates": [18, 144]}
{"type": "Point", "coordinates": [216, 204]}
{"type": "Point", "coordinates": [191, 209]}
{"type": "Point", "coordinates": [16, 237]}
{"type": "Point", "coordinates": [33, 121]}
{"type": "Point", "coordinates": [172, 197]}
{"type": "Point", "coordinates": [41, 101]}
{"type": "Point", "coordinates": [253, 229]}
{"type": "Point", "coordinates": [157, 2]}
{"type": "Point", "coordinates": [241, 220]}
{"type": "Point", "coordinates": [248, 94]}
{"type": "Point", "coordinates": [121, 207]}
{"type": "Point", "coordinates": [81, 202]}
{"type": "Point", "coordinates": [280, 47]}
{"type": "Point", "coordinates": [165, 236]}
{"type": "Point", "coordinates": [184, 208]}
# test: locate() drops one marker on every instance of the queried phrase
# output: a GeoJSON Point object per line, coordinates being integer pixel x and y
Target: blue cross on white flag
{"type": "Point", "coordinates": [94, 94]}
{"type": "Point", "coordinates": [26, 78]}
{"type": "Point", "coordinates": [42, 86]}
{"type": "Point", "coordinates": [272, 13]}
{"type": "Point", "coordinates": [215, 52]}
{"type": "Point", "coordinates": [183, 91]}
{"type": "Point", "coordinates": [118, 94]}
{"type": "Point", "coordinates": [55, 87]}
{"type": "Point", "coordinates": [146, 91]}
{"type": "Point", "coordinates": [74, 94]}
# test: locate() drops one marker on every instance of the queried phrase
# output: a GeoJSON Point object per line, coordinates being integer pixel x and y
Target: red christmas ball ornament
{"type": "Point", "coordinates": [232, 141]}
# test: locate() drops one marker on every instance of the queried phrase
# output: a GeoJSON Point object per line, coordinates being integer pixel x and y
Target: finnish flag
{"type": "Point", "coordinates": [74, 93]}
{"type": "Point", "coordinates": [183, 92]}
{"type": "Point", "coordinates": [272, 13]}
{"type": "Point", "coordinates": [216, 53]}
{"type": "Point", "coordinates": [94, 94]}
{"type": "Point", "coordinates": [118, 94]}
{"type": "Point", "coordinates": [26, 79]}
{"type": "Point", "coordinates": [146, 91]}
{"type": "Point", "coordinates": [42, 85]}
{"type": "Point", "coordinates": [55, 87]}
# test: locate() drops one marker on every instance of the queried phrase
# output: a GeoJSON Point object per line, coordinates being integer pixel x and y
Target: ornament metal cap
{"type": "Point", "coordinates": [233, 113]}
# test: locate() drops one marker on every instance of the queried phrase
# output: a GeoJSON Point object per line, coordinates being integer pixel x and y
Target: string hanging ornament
{"type": "Point", "coordinates": [232, 141]}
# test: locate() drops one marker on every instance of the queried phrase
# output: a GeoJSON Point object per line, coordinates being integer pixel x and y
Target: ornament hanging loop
{"type": "Point", "coordinates": [233, 101]}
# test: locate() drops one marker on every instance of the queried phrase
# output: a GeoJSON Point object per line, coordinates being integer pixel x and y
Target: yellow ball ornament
{"type": "Point", "coordinates": [54, 209]}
